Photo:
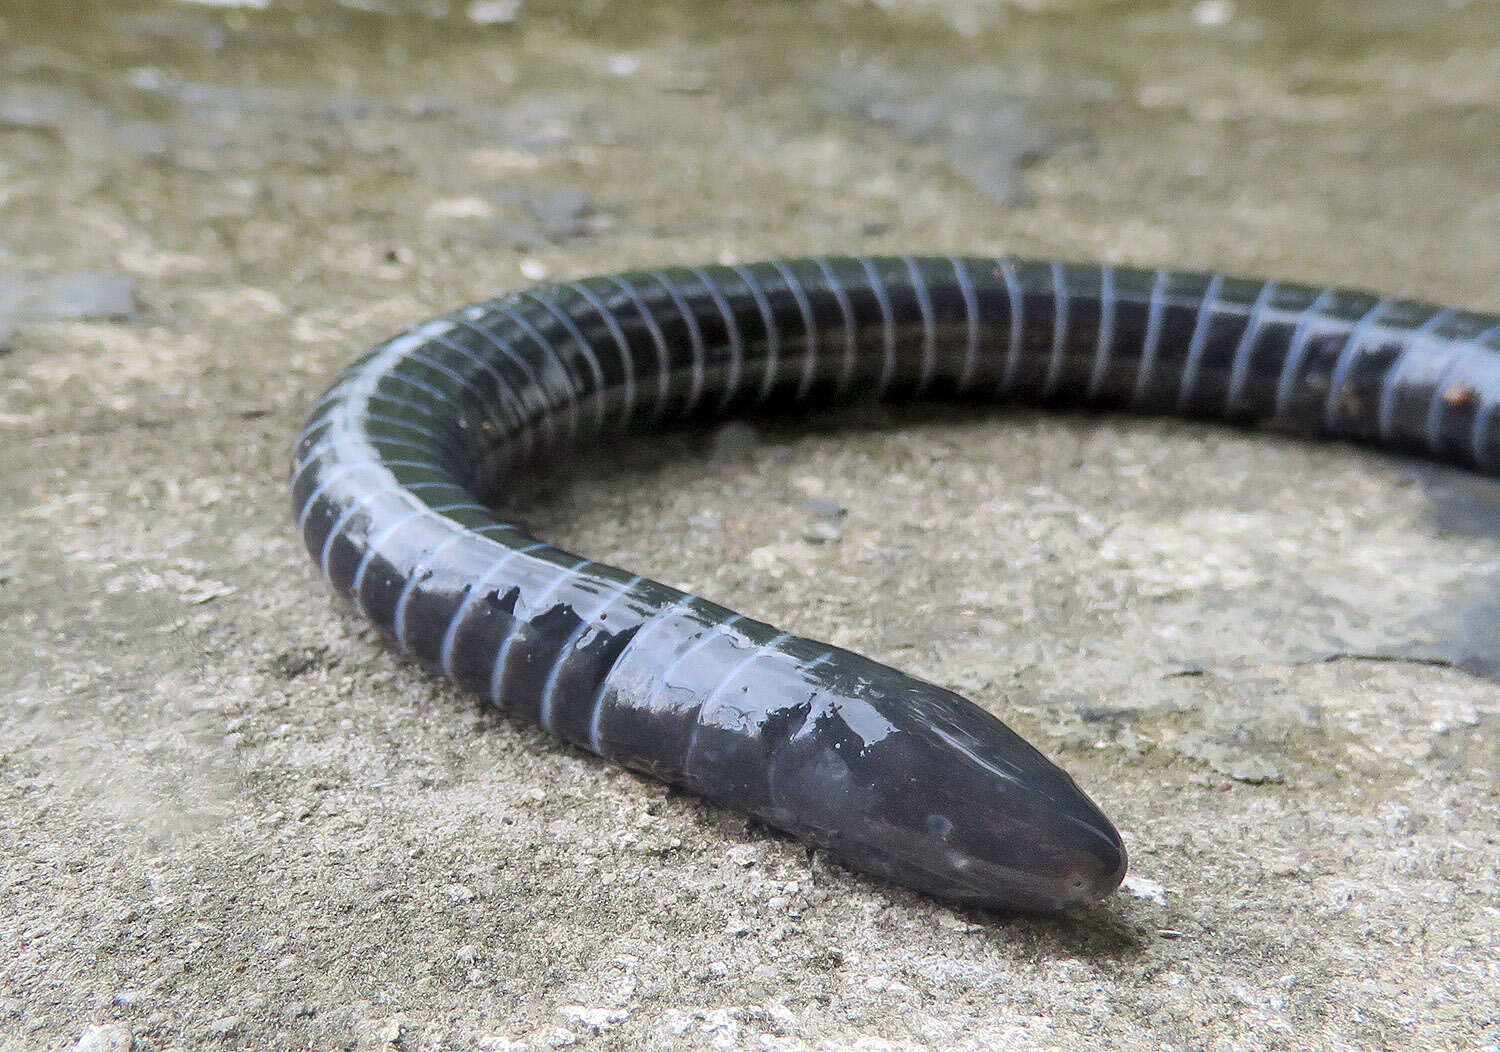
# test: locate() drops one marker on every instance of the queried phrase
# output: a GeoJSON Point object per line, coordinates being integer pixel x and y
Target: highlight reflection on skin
{"type": "Point", "coordinates": [896, 777]}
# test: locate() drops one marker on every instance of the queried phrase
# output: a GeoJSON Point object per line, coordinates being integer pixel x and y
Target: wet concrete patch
{"type": "Point", "coordinates": [84, 295]}
{"type": "Point", "coordinates": [1463, 502]}
{"type": "Point", "coordinates": [1464, 631]}
{"type": "Point", "coordinates": [984, 127]}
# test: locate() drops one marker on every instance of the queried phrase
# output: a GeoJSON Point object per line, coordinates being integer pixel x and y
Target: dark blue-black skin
{"type": "Point", "coordinates": [894, 776]}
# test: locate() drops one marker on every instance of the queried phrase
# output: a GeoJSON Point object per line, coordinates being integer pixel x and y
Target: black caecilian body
{"type": "Point", "coordinates": [895, 776]}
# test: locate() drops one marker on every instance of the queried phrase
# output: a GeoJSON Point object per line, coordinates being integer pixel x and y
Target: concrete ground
{"type": "Point", "coordinates": [230, 819]}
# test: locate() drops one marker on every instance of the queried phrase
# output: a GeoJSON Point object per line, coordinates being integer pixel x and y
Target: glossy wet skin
{"type": "Point", "coordinates": [894, 776]}
{"type": "Point", "coordinates": [910, 781]}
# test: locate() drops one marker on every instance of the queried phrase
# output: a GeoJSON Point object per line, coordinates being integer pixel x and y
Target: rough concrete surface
{"type": "Point", "coordinates": [228, 818]}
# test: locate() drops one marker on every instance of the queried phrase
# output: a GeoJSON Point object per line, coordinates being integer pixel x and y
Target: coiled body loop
{"type": "Point", "coordinates": [896, 776]}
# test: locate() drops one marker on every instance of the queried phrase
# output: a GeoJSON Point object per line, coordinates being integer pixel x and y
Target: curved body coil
{"type": "Point", "coordinates": [895, 776]}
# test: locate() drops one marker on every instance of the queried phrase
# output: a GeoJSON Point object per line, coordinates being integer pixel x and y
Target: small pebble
{"type": "Point", "coordinates": [460, 208]}
{"type": "Point", "coordinates": [226, 1024]}
{"type": "Point", "coordinates": [459, 893]}
{"type": "Point", "coordinates": [109, 1038]}
{"type": "Point", "coordinates": [1142, 888]}
{"type": "Point", "coordinates": [1212, 13]}
{"type": "Point", "coordinates": [742, 855]}
{"type": "Point", "coordinates": [594, 1018]}
{"type": "Point", "coordinates": [388, 1031]}
{"type": "Point", "coordinates": [623, 65]}
{"type": "Point", "coordinates": [823, 508]}
{"type": "Point", "coordinates": [493, 12]}
{"type": "Point", "coordinates": [82, 296]}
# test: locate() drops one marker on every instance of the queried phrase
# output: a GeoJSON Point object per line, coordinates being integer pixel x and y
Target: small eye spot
{"type": "Point", "coordinates": [939, 825]}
